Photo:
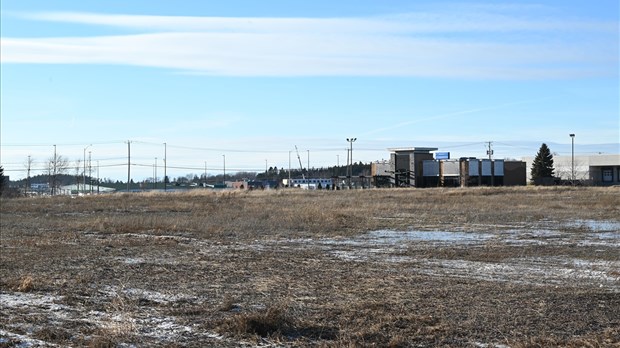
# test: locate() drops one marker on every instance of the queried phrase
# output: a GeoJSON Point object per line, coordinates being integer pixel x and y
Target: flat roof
{"type": "Point", "coordinates": [413, 149]}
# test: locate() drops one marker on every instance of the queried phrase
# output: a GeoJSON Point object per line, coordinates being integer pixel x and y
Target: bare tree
{"type": "Point", "coordinates": [78, 167]}
{"type": "Point", "coordinates": [56, 165]}
{"type": "Point", "coordinates": [28, 166]}
{"type": "Point", "coordinates": [565, 171]}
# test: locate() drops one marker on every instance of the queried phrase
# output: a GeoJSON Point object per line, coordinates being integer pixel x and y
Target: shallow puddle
{"type": "Point", "coordinates": [596, 226]}
{"type": "Point", "coordinates": [390, 237]}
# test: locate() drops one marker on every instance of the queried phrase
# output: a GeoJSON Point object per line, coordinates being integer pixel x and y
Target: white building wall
{"type": "Point", "coordinates": [451, 168]}
{"type": "Point", "coordinates": [587, 168]}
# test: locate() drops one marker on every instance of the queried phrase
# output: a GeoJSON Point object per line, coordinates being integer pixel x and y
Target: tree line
{"type": "Point", "coordinates": [59, 172]}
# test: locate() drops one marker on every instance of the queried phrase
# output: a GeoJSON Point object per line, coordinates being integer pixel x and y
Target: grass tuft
{"type": "Point", "coordinates": [26, 284]}
{"type": "Point", "coordinates": [270, 323]}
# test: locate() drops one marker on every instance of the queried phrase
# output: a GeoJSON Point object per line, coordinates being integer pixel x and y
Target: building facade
{"type": "Point", "coordinates": [598, 170]}
{"type": "Point", "coordinates": [406, 165]}
{"type": "Point", "coordinates": [418, 167]}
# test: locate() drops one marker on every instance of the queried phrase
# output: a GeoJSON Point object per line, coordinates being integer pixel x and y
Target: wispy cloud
{"type": "Point", "coordinates": [483, 18]}
{"type": "Point", "coordinates": [498, 44]}
{"type": "Point", "coordinates": [453, 114]}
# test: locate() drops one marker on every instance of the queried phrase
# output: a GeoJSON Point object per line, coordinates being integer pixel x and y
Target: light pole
{"type": "Point", "coordinates": [128, 164]}
{"type": "Point", "coordinates": [351, 140]}
{"type": "Point", "coordinates": [84, 172]}
{"type": "Point", "coordinates": [572, 162]}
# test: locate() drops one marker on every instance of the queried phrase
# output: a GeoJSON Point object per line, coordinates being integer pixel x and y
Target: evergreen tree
{"type": "Point", "coordinates": [543, 164]}
{"type": "Point", "coordinates": [2, 183]}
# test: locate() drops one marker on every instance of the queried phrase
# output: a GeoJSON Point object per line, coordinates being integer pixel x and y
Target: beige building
{"type": "Point", "coordinates": [600, 170]}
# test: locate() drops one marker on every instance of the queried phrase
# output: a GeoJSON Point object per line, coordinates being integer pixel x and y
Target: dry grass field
{"type": "Point", "coordinates": [478, 267]}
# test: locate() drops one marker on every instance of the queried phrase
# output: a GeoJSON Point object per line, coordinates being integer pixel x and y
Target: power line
{"type": "Point", "coordinates": [63, 144]}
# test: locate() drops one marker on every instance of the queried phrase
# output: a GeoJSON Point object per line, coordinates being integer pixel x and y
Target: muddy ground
{"type": "Point", "coordinates": [400, 268]}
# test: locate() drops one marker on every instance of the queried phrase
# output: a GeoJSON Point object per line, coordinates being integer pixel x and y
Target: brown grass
{"type": "Point", "coordinates": [293, 268]}
{"type": "Point", "coordinates": [26, 284]}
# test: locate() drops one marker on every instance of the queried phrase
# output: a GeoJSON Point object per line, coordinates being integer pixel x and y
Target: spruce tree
{"type": "Point", "coordinates": [1, 180]}
{"type": "Point", "coordinates": [543, 164]}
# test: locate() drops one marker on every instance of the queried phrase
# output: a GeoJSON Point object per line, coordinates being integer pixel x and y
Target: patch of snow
{"type": "Point", "coordinates": [530, 271]}
{"type": "Point", "coordinates": [393, 237]}
{"type": "Point", "coordinates": [494, 345]}
{"type": "Point", "coordinates": [20, 341]}
{"type": "Point", "coordinates": [596, 225]}
{"type": "Point", "coordinates": [132, 260]}
{"type": "Point", "coordinates": [29, 300]}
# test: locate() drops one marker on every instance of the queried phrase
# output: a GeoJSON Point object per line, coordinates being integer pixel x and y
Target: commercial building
{"type": "Point", "coordinates": [471, 171]}
{"type": "Point", "coordinates": [598, 170]}
{"type": "Point", "coordinates": [406, 165]}
{"type": "Point", "coordinates": [420, 167]}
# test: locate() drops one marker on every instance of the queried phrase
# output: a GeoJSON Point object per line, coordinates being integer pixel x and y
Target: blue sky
{"type": "Point", "coordinates": [249, 80]}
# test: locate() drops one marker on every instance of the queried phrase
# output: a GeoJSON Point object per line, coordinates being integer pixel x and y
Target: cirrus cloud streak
{"type": "Point", "coordinates": [476, 46]}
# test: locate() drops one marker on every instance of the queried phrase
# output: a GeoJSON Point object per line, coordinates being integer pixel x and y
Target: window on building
{"type": "Point", "coordinates": [608, 175]}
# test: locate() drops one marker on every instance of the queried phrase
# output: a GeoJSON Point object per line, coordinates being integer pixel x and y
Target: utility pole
{"type": "Point", "coordinates": [98, 177]}
{"type": "Point", "coordinates": [128, 163]}
{"type": "Point", "coordinates": [54, 174]}
{"type": "Point", "coordinates": [84, 172]}
{"type": "Point", "coordinates": [572, 159]}
{"type": "Point", "coordinates": [165, 165]}
{"type": "Point", "coordinates": [490, 153]}
{"type": "Point", "coordinates": [28, 180]}
{"type": "Point", "coordinates": [155, 173]}
{"type": "Point", "coordinates": [289, 168]}
{"type": "Point", "coordinates": [224, 178]}
{"type": "Point", "coordinates": [90, 174]}
{"type": "Point", "coordinates": [351, 140]}
{"type": "Point", "coordinates": [205, 174]}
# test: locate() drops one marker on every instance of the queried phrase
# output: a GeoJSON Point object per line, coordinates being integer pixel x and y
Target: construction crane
{"type": "Point", "coordinates": [301, 167]}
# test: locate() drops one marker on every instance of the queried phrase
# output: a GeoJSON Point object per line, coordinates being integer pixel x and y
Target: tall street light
{"type": "Point", "coordinates": [351, 140]}
{"type": "Point", "coordinates": [572, 165]}
{"type": "Point", "coordinates": [84, 172]}
{"type": "Point", "coordinates": [98, 176]}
